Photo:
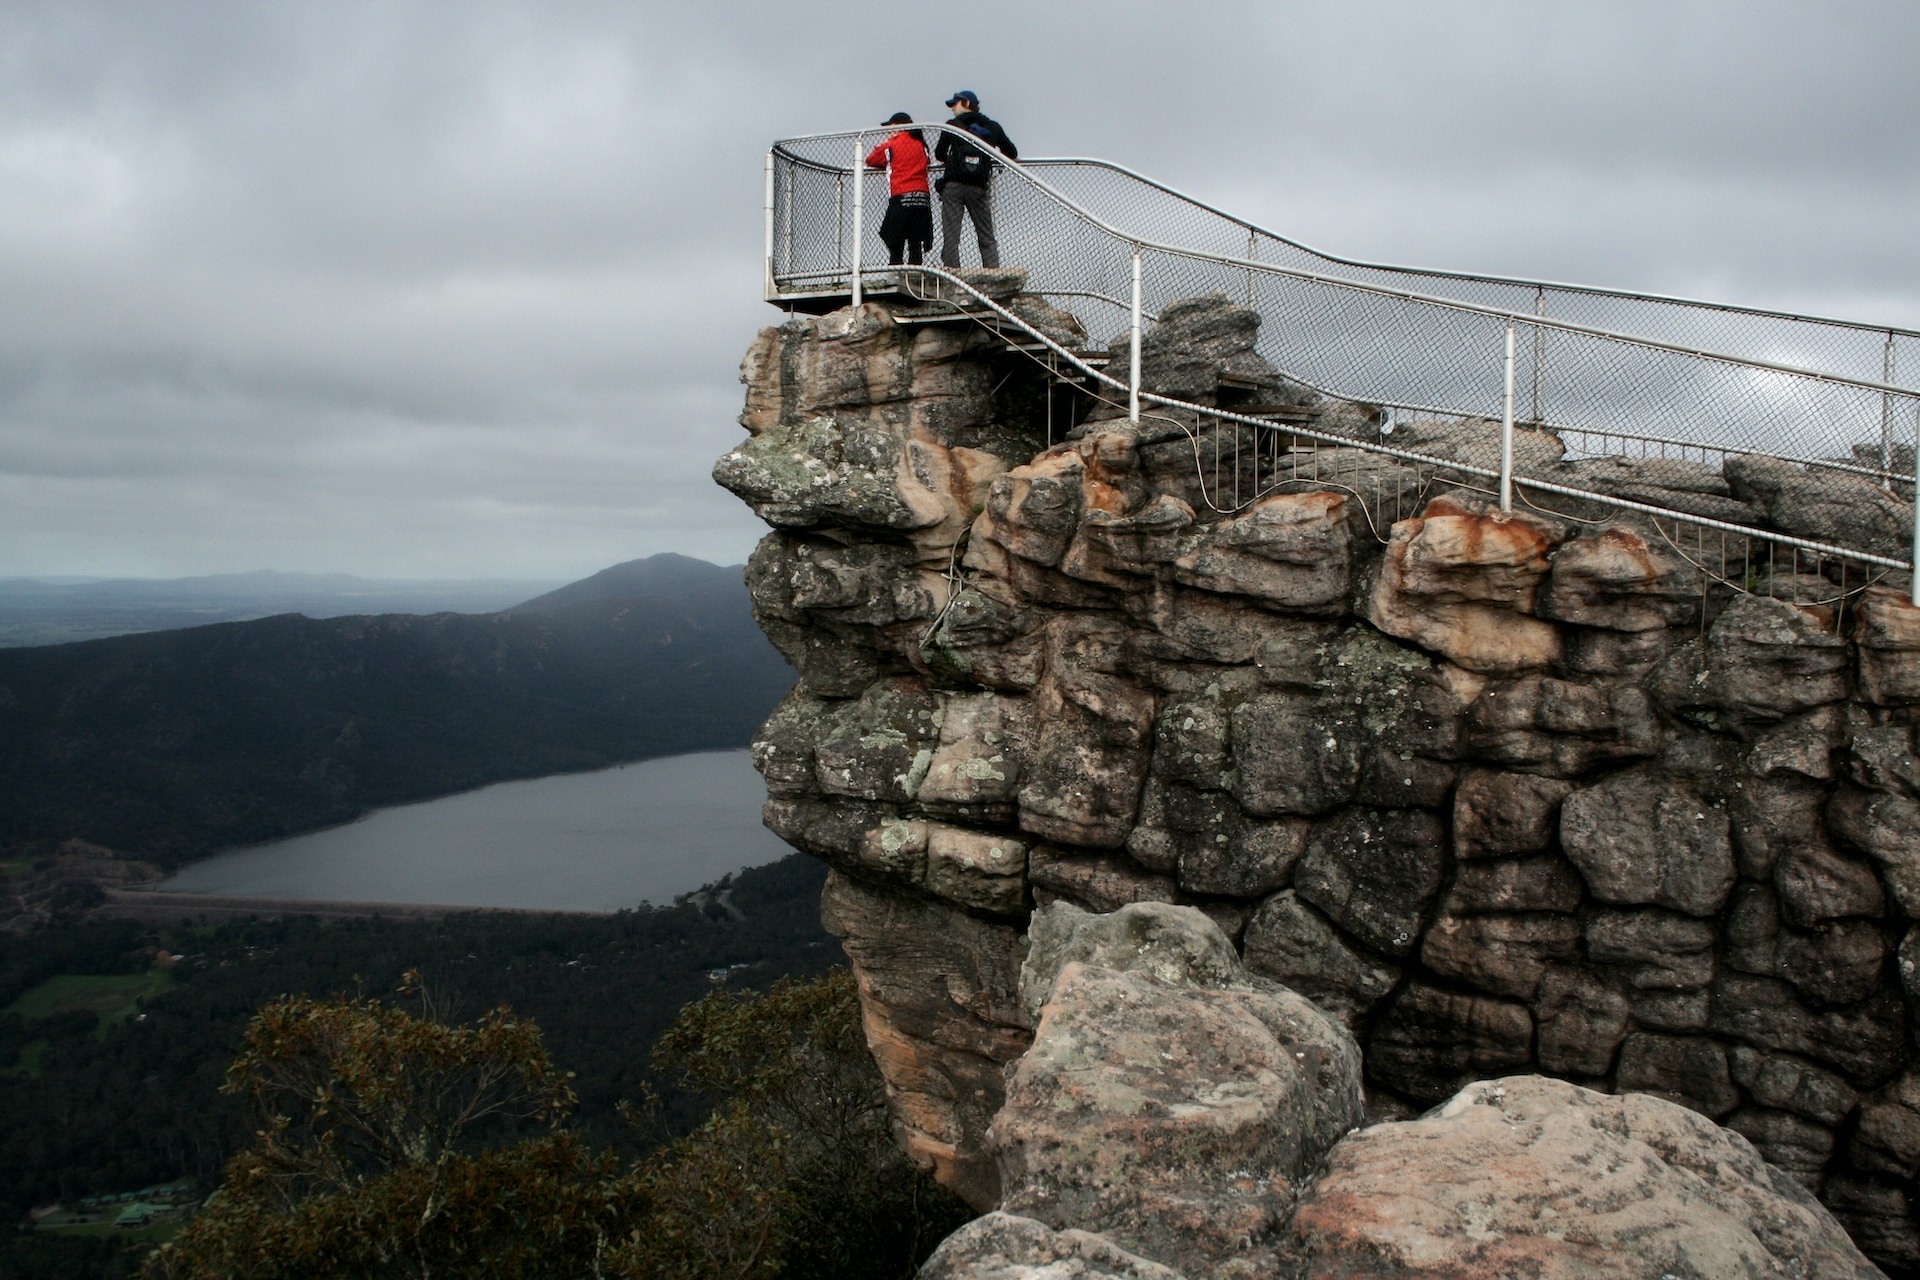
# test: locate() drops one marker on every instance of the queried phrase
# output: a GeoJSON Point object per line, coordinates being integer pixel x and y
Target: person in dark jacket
{"type": "Point", "coordinates": [907, 230]}
{"type": "Point", "coordinates": [964, 183]}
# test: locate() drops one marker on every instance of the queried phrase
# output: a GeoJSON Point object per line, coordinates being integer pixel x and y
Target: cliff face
{"type": "Point", "coordinates": [1505, 793]}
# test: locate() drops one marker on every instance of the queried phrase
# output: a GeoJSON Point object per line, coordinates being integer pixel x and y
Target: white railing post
{"type": "Point", "coordinates": [1506, 432]}
{"type": "Point", "coordinates": [769, 228]}
{"type": "Point", "coordinates": [1133, 352]}
{"type": "Point", "coordinates": [859, 160]}
{"type": "Point", "coordinates": [1914, 578]}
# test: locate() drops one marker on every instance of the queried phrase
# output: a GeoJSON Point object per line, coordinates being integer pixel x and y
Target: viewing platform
{"type": "Point", "coordinates": [1601, 373]}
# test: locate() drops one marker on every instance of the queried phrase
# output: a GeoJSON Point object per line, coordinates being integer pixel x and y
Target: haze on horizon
{"type": "Point", "coordinates": [417, 290]}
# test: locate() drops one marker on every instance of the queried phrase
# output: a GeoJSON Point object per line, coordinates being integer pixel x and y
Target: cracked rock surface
{"type": "Point", "coordinates": [1500, 793]}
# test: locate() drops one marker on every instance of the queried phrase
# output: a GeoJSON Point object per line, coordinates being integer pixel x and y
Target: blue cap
{"type": "Point", "coordinates": [965, 95]}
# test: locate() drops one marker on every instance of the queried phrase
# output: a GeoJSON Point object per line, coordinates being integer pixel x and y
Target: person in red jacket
{"type": "Point", "coordinates": [907, 230]}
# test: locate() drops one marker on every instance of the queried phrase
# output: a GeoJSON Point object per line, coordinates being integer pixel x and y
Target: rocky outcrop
{"type": "Point", "coordinates": [1503, 793]}
{"type": "Point", "coordinates": [1530, 1177]}
{"type": "Point", "coordinates": [1171, 1101]}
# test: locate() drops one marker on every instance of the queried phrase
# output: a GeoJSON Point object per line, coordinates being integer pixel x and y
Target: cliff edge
{"type": "Point", "coordinates": [1545, 792]}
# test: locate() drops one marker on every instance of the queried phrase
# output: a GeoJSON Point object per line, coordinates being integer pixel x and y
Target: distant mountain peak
{"type": "Point", "coordinates": [667, 573]}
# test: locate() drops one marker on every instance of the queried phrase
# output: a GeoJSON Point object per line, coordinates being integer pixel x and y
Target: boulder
{"type": "Point", "coordinates": [1461, 581]}
{"type": "Point", "coordinates": [1762, 661]}
{"type": "Point", "coordinates": [1582, 1022]}
{"type": "Point", "coordinates": [1177, 945]}
{"type": "Point", "coordinates": [1889, 639]}
{"type": "Point", "coordinates": [1293, 944]}
{"type": "Point", "coordinates": [1497, 813]}
{"type": "Point", "coordinates": [1006, 1246]}
{"type": "Point", "coordinates": [1561, 728]}
{"type": "Point", "coordinates": [1646, 837]}
{"type": "Point", "coordinates": [1828, 506]}
{"type": "Point", "coordinates": [1174, 1104]}
{"type": "Point", "coordinates": [1614, 580]}
{"type": "Point", "coordinates": [1540, 1178]}
{"type": "Point", "coordinates": [1374, 872]}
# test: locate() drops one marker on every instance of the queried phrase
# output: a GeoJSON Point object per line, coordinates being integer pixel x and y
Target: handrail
{"type": "Point", "coordinates": [1381, 342]}
{"type": "Point", "coordinates": [1009, 317]}
{"type": "Point", "coordinates": [1439, 300]}
{"type": "Point", "coordinates": [1560, 286]}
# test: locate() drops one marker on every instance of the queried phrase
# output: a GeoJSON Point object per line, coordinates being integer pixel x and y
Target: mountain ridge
{"type": "Point", "coordinates": [170, 745]}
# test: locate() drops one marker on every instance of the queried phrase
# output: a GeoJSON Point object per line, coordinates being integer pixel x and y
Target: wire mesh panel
{"type": "Point", "coordinates": [1157, 213]}
{"type": "Point", "coordinates": [1607, 374]}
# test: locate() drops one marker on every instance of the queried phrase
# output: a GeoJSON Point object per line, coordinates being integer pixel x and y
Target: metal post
{"type": "Point", "coordinates": [1133, 361]}
{"type": "Point", "coordinates": [859, 159]}
{"type": "Point", "coordinates": [1915, 579]}
{"type": "Point", "coordinates": [769, 227]}
{"type": "Point", "coordinates": [1253, 254]}
{"type": "Point", "coordinates": [1506, 432]}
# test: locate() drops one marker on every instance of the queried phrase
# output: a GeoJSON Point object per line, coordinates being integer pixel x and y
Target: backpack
{"type": "Point", "coordinates": [969, 164]}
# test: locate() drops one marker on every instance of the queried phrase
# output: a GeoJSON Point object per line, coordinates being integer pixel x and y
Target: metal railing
{"type": "Point", "coordinates": [1459, 346]}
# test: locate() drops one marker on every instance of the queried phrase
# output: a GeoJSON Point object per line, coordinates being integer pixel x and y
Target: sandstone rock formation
{"type": "Point", "coordinates": [1533, 1178]}
{"type": "Point", "coordinates": [1505, 793]}
{"type": "Point", "coordinates": [1171, 1101]}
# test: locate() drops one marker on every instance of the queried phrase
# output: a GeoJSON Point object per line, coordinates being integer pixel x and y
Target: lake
{"type": "Point", "coordinates": [573, 842]}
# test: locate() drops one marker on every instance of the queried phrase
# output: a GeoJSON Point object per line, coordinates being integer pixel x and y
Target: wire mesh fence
{"type": "Point", "coordinates": [1599, 374]}
{"type": "Point", "coordinates": [1158, 213]}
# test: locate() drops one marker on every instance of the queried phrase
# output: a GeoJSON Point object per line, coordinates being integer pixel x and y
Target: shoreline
{"type": "Point", "coordinates": [159, 906]}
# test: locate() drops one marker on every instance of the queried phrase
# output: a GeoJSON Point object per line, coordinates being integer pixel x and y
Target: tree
{"type": "Point", "coordinates": [391, 1143]}
{"type": "Point", "coordinates": [371, 1159]}
{"type": "Point", "coordinates": [796, 1173]}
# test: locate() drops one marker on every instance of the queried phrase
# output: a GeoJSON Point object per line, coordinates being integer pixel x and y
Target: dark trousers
{"type": "Point", "coordinates": [902, 251]}
{"type": "Point", "coordinates": [907, 230]}
{"type": "Point", "coordinates": [978, 204]}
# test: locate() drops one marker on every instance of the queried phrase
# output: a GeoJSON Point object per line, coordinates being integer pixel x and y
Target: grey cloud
{"type": "Point", "coordinates": [423, 287]}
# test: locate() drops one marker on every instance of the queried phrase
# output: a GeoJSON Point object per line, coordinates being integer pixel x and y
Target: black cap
{"type": "Point", "coordinates": [965, 95]}
{"type": "Point", "coordinates": [898, 117]}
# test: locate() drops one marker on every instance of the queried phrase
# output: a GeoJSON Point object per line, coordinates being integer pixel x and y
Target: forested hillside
{"type": "Point", "coordinates": [110, 1064]}
{"type": "Point", "coordinates": [173, 744]}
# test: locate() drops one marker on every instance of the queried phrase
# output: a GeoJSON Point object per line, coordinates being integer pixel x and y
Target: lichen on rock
{"type": "Point", "coordinates": [1498, 792]}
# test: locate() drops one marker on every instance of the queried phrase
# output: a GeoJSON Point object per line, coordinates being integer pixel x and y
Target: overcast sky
{"type": "Point", "coordinates": [460, 289]}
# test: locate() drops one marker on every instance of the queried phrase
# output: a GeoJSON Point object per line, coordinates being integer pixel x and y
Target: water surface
{"type": "Point", "coordinates": [573, 842]}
